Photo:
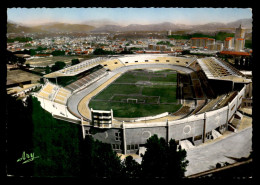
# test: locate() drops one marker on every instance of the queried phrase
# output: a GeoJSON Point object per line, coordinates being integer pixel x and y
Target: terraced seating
{"type": "Point", "coordinates": [48, 91]}
{"type": "Point", "coordinates": [112, 64]}
{"type": "Point", "coordinates": [183, 111]}
{"type": "Point", "coordinates": [201, 104]}
{"type": "Point", "coordinates": [219, 68]}
{"type": "Point", "coordinates": [72, 87]}
{"type": "Point", "coordinates": [62, 96]}
{"type": "Point", "coordinates": [152, 59]}
{"type": "Point", "coordinates": [48, 88]}
{"type": "Point", "coordinates": [86, 79]}
{"type": "Point", "coordinates": [43, 94]}
{"type": "Point", "coordinates": [209, 106]}
{"type": "Point", "coordinates": [236, 71]}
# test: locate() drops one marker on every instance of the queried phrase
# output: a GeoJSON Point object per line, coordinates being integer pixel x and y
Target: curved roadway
{"type": "Point", "coordinates": [74, 99]}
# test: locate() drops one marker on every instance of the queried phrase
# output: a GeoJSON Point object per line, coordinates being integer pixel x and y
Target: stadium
{"type": "Point", "coordinates": [123, 100]}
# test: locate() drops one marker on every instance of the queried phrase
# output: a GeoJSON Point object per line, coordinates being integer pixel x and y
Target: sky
{"type": "Point", "coordinates": [126, 16]}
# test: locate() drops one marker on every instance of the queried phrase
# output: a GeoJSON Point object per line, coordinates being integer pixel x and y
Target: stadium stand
{"type": "Point", "coordinates": [76, 69]}
{"type": "Point", "coordinates": [152, 59]}
{"type": "Point", "coordinates": [237, 72]}
{"type": "Point", "coordinates": [200, 105]}
{"type": "Point", "coordinates": [62, 96]}
{"type": "Point", "coordinates": [228, 98]}
{"type": "Point", "coordinates": [215, 68]}
{"type": "Point", "coordinates": [48, 91]}
{"type": "Point", "coordinates": [86, 80]}
{"type": "Point", "coordinates": [112, 64]}
{"type": "Point", "coordinates": [211, 104]}
{"type": "Point", "coordinates": [198, 92]}
{"type": "Point", "coordinates": [54, 93]}
{"type": "Point", "coordinates": [184, 110]}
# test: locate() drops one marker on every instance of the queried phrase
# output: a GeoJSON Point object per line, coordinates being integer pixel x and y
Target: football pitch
{"type": "Point", "coordinates": [139, 93]}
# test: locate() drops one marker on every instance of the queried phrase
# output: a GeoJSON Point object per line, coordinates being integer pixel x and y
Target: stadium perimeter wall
{"type": "Point", "coordinates": [134, 135]}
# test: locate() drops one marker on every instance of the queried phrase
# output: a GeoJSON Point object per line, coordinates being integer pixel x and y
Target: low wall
{"type": "Point", "coordinates": [146, 118]}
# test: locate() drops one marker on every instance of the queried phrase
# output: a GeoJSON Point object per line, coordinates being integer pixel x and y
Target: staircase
{"type": "Point", "coordinates": [215, 134]}
{"type": "Point", "coordinates": [186, 144]}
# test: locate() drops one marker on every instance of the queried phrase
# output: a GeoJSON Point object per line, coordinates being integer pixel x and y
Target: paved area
{"type": "Point", "coordinates": [205, 157]}
{"type": "Point", "coordinates": [19, 75]}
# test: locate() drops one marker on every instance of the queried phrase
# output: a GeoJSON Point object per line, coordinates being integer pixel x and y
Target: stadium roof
{"type": "Point", "coordinates": [216, 69]}
{"type": "Point", "coordinates": [75, 69]}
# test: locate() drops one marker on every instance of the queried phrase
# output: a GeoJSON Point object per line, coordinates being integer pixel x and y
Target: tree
{"type": "Point", "coordinates": [74, 61]}
{"type": "Point", "coordinates": [131, 169]}
{"type": "Point", "coordinates": [218, 165]}
{"type": "Point", "coordinates": [125, 51]}
{"type": "Point", "coordinates": [57, 66]}
{"type": "Point", "coordinates": [56, 142]}
{"type": "Point", "coordinates": [47, 70]}
{"type": "Point", "coordinates": [100, 51]}
{"type": "Point", "coordinates": [163, 160]}
{"type": "Point", "coordinates": [99, 160]}
{"type": "Point", "coordinates": [21, 60]}
{"type": "Point", "coordinates": [19, 125]}
{"type": "Point", "coordinates": [11, 57]}
{"type": "Point", "coordinates": [58, 53]}
{"type": "Point", "coordinates": [32, 52]}
{"type": "Point", "coordinates": [185, 52]}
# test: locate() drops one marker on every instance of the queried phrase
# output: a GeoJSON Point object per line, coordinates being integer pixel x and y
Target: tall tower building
{"type": "Point", "coordinates": [239, 38]}
{"type": "Point", "coordinates": [169, 32]}
{"type": "Point", "coordinates": [240, 32]}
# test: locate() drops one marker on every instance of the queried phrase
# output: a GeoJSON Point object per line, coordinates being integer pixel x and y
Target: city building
{"type": "Point", "coordinates": [202, 42]}
{"type": "Point", "coordinates": [219, 46]}
{"type": "Point", "coordinates": [229, 43]}
{"type": "Point", "coordinates": [239, 44]}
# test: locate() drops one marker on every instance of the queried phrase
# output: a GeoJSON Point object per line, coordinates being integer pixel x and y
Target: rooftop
{"type": "Point", "coordinates": [228, 38]}
{"type": "Point", "coordinates": [235, 53]}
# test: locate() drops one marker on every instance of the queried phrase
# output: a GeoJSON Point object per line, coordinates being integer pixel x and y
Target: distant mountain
{"type": "Point", "coordinates": [100, 23]}
{"type": "Point", "coordinates": [63, 27]}
{"type": "Point", "coordinates": [16, 28]}
{"type": "Point", "coordinates": [52, 27]}
{"type": "Point", "coordinates": [111, 26]}
{"type": "Point", "coordinates": [247, 23]}
{"type": "Point", "coordinates": [108, 28]}
{"type": "Point", "coordinates": [137, 27]}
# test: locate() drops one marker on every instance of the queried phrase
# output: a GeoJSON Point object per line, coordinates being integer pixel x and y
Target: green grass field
{"type": "Point", "coordinates": [155, 93]}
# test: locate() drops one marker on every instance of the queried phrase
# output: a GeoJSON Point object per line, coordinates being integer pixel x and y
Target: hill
{"type": "Point", "coordinates": [53, 27]}
{"type": "Point", "coordinates": [110, 26]}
